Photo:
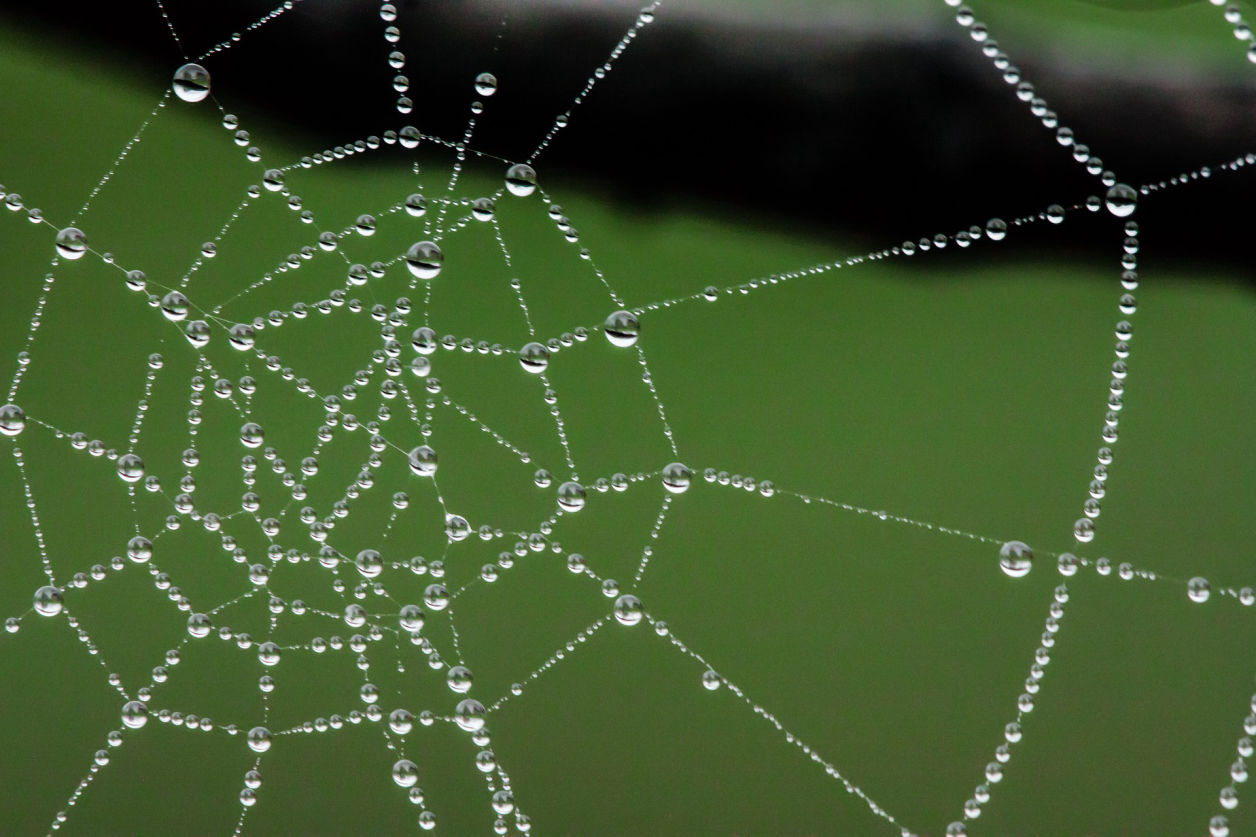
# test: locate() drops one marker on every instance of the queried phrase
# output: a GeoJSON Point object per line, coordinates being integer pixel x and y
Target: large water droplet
{"type": "Point", "coordinates": [459, 679]}
{"type": "Point", "coordinates": [622, 328]}
{"type": "Point", "coordinates": [571, 496]}
{"type": "Point", "coordinates": [1015, 559]}
{"type": "Point", "coordinates": [1122, 200]}
{"type": "Point", "coordinates": [405, 773]}
{"type": "Point", "coordinates": [521, 180]}
{"type": "Point", "coordinates": [677, 477]}
{"type": "Point", "coordinates": [486, 84]}
{"type": "Point", "coordinates": [628, 609]}
{"type": "Point", "coordinates": [12, 420]}
{"type": "Point", "coordinates": [48, 600]}
{"type": "Point", "coordinates": [134, 714]}
{"type": "Point", "coordinates": [174, 306]}
{"type": "Point", "coordinates": [191, 83]}
{"type": "Point", "coordinates": [1198, 589]}
{"type": "Point", "coordinates": [425, 259]}
{"type": "Point", "coordinates": [71, 243]}
{"type": "Point", "coordinates": [423, 461]}
{"type": "Point", "coordinates": [469, 714]}
{"type": "Point", "coordinates": [259, 739]}
{"type": "Point", "coordinates": [534, 358]}
{"type": "Point", "coordinates": [130, 467]}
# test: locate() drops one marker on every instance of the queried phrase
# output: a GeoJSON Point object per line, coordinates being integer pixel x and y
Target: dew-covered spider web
{"type": "Point", "coordinates": [396, 486]}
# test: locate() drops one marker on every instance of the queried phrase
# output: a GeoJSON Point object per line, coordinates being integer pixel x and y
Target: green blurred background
{"type": "Point", "coordinates": [969, 395]}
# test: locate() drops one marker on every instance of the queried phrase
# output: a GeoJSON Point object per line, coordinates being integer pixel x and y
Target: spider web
{"type": "Point", "coordinates": [529, 571]}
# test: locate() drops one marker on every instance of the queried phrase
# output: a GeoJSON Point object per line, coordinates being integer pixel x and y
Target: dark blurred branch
{"type": "Point", "coordinates": [882, 134]}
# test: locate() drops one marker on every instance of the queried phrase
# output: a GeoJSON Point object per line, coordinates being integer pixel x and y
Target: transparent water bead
{"type": "Point", "coordinates": [534, 358]}
{"type": "Point", "coordinates": [425, 259]}
{"type": "Point", "coordinates": [996, 229]}
{"type": "Point", "coordinates": [272, 179]}
{"type": "Point", "coordinates": [423, 461]}
{"type": "Point", "coordinates": [369, 563]}
{"type": "Point", "coordinates": [1198, 589]}
{"type": "Point", "coordinates": [139, 549]}
{"type": "Point", "coordinates": [134, 714]}
{"type": "Point", "coordinates": [199, 625]}
{"type": "Point", "coordinates": [411, 618]}
{"type": "Point", "coordinates": [12, 420]}
{"type": "Point", "coordinates": [571, 496]}
{"type": "Point", "coordinates": [71, 243]}
{"type": "Point", "coordinates": [252, 435]}
{"type": "Point", "coordinates": [174, 306]}
{"type": "Point", "coordinates": [482, 209]}
{"type": "Point", "coordinates": [130, 468]}
{"type": "Point", "coordinates": [1016, 559]}
{"type": "Point", "coordinates": [486, 84]}
{"type": "Point", "coordinates": [191, 83]}
{"type": "Point", "coordinates": [629, 610]}
{"type": "Point", "coordinates": [48, 600]}
{"type": "Point", "coordinates": [677, 477]}
{"type": "Point", "coordinates": [469, 714]}
{"type": "Point", "coordinates": [456, 527]}
{"type": "Point", "coordinates": [197, 332]}
{"type": "Point", "coordinates": [622, 329]}
{"type": "Point", "coordinates": [521, 180]}
{"type": "Point", "coordinates": [710, 680]}
{"type": "Point", "coordinates": [459, 679]}
{"type": "Point", "coordinates": [1121, 200]}
{"type": "Point", "coordinates": [405, 773]}
{"type": "Point", "coordinates": [258, 739]}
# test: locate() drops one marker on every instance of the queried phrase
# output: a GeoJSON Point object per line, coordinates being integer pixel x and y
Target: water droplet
{"type": "Point", "coordinates": [677, 477]}
{"type": "Point", "coordinates": [71, 243]}
{"type": "Point", "coordinates": [252, 435]}
{"type": "Point", "coordinates": [436, 596]}
{"type": "Point", "coordinates": [996, 229]}
{"type": "Point", "coordinates": [534, 358]}
{"type": "Point", "coordinates": [424, 259]}
{"type": "Point", "coordinates": [416, 205]}
{"type": "Point", "coordinates": [521, 180]}
{"type": "Point", "coordinates": [459, 678]}
{"type": "Point", "coordinates": [482, 209]}
{"type": "Point", "coordinates": [48, 600]}
{"type": "Point", "coordinates": [711, 680]}
{"type": "Point", "coordinates": [134, 714]}
{"type": "Point", "coordinates": [1015, 559]}
{"type": "Point", "coordinates": [369, 563]}
{"type": "Point", "coordinates": [957, 829]}
{"type": "Point", "coordinates": [1122, 200]}
{"type": "Point", "coordinates": [469, 714]}
{"type": "Point", "coordinates": [486, 84]}
{"type": "Point", "coordinates": [622, 328]}
{"type": "Point", "coordinates": [571, 496]}
{"type": "Point", "coordinates": [259, 739]}
{"type": "Point", "coordinates": [1084, 530]}
{"type": "Point", "coordinates": [199, 625]}
{"type": "Point", "coordinates": [139, 549]}
{"type": "Point", "coordinates": [241, 337]}
{"type": "Point", "coordinates": [456, 527]}
{"type": "Point", "coordinates": [175, 306]}
{"type": "Point", "coordinates": [1219, 826]}
{"type": "Point", "coordinates": [12, 420]}
{"type": "Point", "coordinates": [423, 461]}
{"type": "Point", "coordinates": [628, 609]}
{"type": "Point", "coordinates": [412, 618]}
{"type": "Point", "coordinates": [191, 83]}
{"type": "Point", "coordinates": [405, 773]}
{"type": "Point", "coordinates": [1198, 589]}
